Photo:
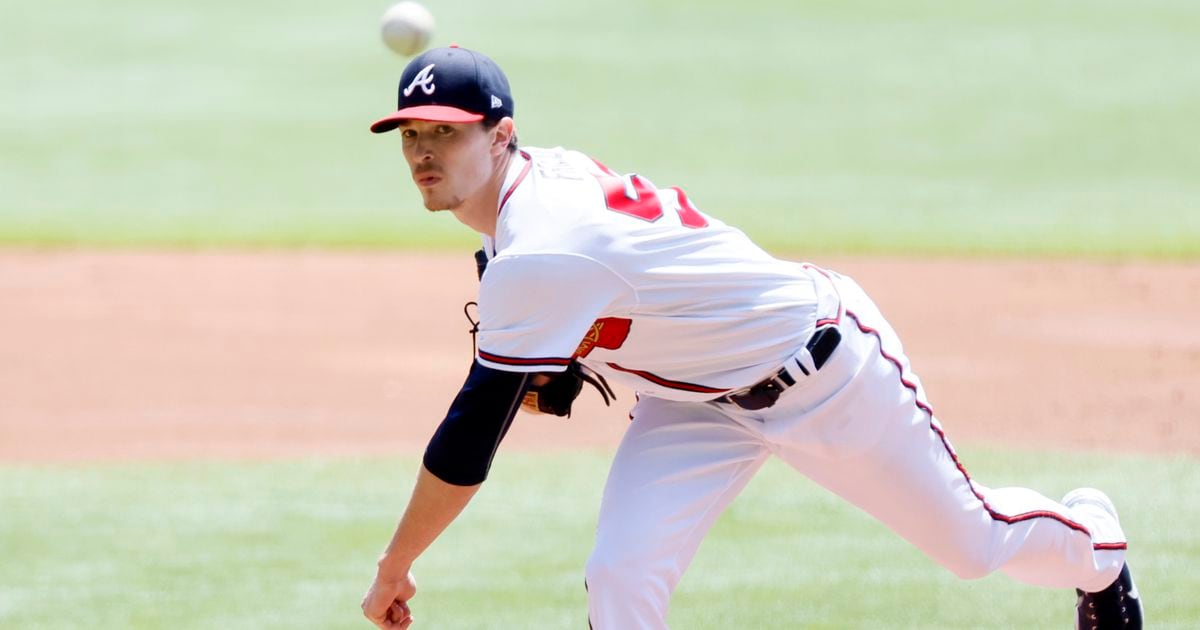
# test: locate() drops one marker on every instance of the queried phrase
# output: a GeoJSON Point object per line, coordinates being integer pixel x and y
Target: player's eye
{"type": "Point", "coordinates": [444, 129]}
{"type": "Point", "coordinates": [408, 133]}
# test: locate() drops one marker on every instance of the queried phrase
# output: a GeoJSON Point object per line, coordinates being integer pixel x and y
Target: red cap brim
{"type": "Point", "coordinates": [435, 113]}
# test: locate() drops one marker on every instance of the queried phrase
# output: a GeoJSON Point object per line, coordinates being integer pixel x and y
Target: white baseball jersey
{"type": "Point", "coordinates": [634, 282]}
{"type": "Point", "coordinates": [639, 285]}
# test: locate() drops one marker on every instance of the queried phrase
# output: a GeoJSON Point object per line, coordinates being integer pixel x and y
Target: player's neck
{"type": "Point", "coordinates": [480, 212]}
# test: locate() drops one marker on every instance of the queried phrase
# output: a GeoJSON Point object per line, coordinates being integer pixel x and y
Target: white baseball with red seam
{"type": "Point", "coordinates": [406, 27]}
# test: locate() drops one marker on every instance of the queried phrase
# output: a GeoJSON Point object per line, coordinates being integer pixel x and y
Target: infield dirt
{"type": "Point", "coordinates": [110, 355]}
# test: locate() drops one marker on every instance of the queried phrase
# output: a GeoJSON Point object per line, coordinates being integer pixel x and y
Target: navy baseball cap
{"type": "Point", "coordinates": [450, 85]}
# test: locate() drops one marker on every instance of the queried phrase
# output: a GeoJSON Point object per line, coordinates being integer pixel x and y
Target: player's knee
{"type": "Point", "coordinates": [604, 572]}
{"type": "Point", "coordinates": [614, 571]}
{"type": "Point", "coordinates": [970, 552]}
{"type": "Point", "coordinates": [971, 566]}
{"type": "Point", "coordinates": [971, 572]}
{"type": "Point", "coordinates": [626, 592]}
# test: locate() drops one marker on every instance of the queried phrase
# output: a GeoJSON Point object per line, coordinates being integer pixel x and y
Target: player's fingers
{"type": "Point", "coordinates": [380, 622]}
{"type": "Point", "coordinates": [374, 610]}
{"type": "Point", "coordinates": [399, 614]}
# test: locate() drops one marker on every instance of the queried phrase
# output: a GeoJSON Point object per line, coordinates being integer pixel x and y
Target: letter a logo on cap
{"type": "Point", "coordinates": [424, 79]}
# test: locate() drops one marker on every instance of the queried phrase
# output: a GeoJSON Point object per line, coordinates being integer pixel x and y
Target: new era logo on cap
{"type": "Point", "coordinates": [450, 85]}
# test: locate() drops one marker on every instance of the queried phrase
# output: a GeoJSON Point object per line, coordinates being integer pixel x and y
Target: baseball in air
{"type": "Point", "coordinates": [406, 27]}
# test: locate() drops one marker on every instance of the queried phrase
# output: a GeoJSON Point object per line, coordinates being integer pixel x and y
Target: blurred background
{"type": "Point", "coordinates": [217, 368]}
{"type": "Point", "coordinates": [1048, 127]}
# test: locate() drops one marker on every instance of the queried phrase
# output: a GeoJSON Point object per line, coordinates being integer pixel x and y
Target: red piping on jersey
{"type": "Point", "coordinates": [603, 167]}
{"type": "Point", "coordinates": [1004, 518]}
{"type": "Point", "coordinates": [837, 319]}
{"type": "Point", "coordinates": [658, 380]}
{"type": "Point", "coordinates": [497, 358]}
{"type": "Point", "coordinates": [520, 178]}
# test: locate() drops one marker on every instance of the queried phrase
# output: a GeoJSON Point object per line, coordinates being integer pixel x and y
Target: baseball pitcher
{"type": "Point", "coordinates": [589, 274]}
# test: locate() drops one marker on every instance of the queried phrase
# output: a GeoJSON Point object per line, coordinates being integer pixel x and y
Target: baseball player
{"type": "Point", "coordinates": [736, 357]}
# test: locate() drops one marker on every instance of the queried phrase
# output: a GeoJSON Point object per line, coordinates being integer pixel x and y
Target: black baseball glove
{"type": "Point", "coordinates": [555, 392]}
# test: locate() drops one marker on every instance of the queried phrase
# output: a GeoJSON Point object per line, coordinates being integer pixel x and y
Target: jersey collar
{"type": "Point", "coordinates": [516, 174]}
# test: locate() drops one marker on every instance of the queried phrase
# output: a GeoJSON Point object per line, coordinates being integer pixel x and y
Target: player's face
{"type": "Point", "coordinates": [450, 162]}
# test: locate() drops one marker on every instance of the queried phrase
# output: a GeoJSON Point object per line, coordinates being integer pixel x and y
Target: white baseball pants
{"type": "Point", "coordinates": [859, 427]}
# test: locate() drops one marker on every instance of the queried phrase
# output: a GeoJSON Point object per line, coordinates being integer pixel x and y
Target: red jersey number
{"type": "Point", "coordinates": [688, 214]}
{"type": "Point", "coordinates": [637, 197]}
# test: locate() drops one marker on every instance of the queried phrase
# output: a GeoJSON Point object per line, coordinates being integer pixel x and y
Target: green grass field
{"type": "Point", "coordinates": [1032, 127]}
{"type": "Point", "coordinates": [1048, 128]}
{"type": "Point", "coordinates": [292, 545]}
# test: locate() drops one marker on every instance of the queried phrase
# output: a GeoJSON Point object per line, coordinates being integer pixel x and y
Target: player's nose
{"type": "Point", "coordinates": [419, 160]}
{"type": "Point", "coordinates": [423, 147]}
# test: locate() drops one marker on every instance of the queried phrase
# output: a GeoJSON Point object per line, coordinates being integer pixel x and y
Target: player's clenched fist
{"type": "Point", "coordinates": [386, 602]}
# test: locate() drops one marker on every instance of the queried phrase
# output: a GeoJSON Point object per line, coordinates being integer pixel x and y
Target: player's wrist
{"type": "Point", "coordinates": [392, 569]}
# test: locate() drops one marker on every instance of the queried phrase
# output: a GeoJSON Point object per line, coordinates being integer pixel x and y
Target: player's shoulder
{"type": "Point", "coordinates": [562, 165]}
{"type": "Point", "coordinates": [549, 210]}
{"type": "Point", "coordinates": [514, 272]}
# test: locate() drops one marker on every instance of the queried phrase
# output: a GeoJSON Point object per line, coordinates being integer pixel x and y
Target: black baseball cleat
{"type": "Point", "coordinates": [1118, 607]}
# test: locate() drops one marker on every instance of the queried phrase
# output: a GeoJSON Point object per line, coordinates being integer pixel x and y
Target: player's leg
{"type": "Point", "coordinates": [678, 467]}
{"type": "Point", "coordinates": [871, 438]}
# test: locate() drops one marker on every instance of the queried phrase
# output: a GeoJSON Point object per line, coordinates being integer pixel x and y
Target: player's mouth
{"type": "Point", "coordinates": [426, 177]}
{"type": "Point", "coordinates": [425, 181]}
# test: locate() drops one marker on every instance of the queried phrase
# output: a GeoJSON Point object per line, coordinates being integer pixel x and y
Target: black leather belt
{"type": "Point", "coordinates": [764, 393]}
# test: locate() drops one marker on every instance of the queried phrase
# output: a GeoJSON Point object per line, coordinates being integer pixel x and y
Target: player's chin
{"type": "Point", "coordinates": [436, 204]}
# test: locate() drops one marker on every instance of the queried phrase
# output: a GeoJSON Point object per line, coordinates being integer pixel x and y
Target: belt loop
{"type": "Point", "coordinates": [804, 360]}
{"type": "Point", "coordinates": [822, 344]}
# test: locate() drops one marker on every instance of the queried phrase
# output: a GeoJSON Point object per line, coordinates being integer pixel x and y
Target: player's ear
{"type": "Point", "coordinates": [502, 134]}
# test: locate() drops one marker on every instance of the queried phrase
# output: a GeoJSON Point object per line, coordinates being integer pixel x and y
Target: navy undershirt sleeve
{"type": "Point", "coordinates": [461, 451]}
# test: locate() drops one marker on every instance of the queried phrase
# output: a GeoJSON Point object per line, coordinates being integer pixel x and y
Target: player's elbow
{"type": "Point", "coordinates": [456, 471]}
{"type": "Point", "coordinates": [461, 450]}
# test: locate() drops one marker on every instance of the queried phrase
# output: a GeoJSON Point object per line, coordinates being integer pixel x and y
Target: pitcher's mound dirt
{"type": "Point", "coordinates": [163, 355]}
